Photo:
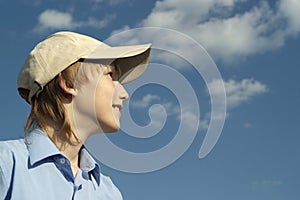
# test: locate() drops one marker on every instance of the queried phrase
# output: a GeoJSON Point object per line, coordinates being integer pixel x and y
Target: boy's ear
{"type": "Point", "coordinates": [64, 87]}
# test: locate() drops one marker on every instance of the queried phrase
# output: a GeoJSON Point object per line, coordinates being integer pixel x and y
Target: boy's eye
{"type": "Point", "coordinates": [112, 75]}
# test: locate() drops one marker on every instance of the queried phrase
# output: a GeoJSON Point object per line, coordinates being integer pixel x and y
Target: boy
{"type": "Point", "coordinates": [73, 84]}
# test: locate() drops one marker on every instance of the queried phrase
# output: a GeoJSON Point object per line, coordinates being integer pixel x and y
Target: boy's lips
{"type": "Point", "coordinates": [119, 106]}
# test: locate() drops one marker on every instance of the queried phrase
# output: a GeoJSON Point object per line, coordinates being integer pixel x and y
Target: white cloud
{"type": "Point", "coordinates": [226, 34]}
{"type": "Point", "coordinates": [157, 112]}
{"type": "Point", "coordinates": [96, 23]}
{"type": "Point", "coordinates": [53, 19]}
{"type": "Point", "coordinates": [290, 10]}
{"type": "Point", "coordinates": [203, 124]}
{"type": "Point", "coordinates": [145, 101]}
{"type": "Point", "coordinates": [150, 99]}
{"type": "Point", "coordinates": [184, 115]}
{"type": "Point", "coordinates": [238, 92]}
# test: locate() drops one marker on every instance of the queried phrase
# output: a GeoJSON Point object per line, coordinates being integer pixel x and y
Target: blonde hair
{"type": "Point", "coordinates": [48, 107]}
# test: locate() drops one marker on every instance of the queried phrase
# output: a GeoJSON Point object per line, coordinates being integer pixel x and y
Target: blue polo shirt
{"type": "Point", "coordinates": [36, 169]}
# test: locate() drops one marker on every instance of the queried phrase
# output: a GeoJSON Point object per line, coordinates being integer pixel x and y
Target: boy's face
{"type": "Point", "coordinates": [96, 107]}
{"type": "Point", "coordinates": [109, 97]}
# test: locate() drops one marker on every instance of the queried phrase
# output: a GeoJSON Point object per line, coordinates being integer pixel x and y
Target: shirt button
{"type": "Point", "coordinates": [62, 161]}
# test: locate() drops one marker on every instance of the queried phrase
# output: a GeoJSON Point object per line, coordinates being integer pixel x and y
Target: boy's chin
{"type": "Point", "coordinates": [110, 129]}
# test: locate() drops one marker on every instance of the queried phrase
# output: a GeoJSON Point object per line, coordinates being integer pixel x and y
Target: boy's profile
{"type": "Point", "coordinates": [73, 84]}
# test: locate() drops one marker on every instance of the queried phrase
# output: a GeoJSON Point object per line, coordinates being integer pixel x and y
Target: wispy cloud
{"type": "Point", "coordinates": [54, 19]}
{"type": "Point", "coordinates": [226, 31]}
{"type": "Point", "coordinates": [185, 115]}
{"type": "Point", "coordinates": [239, 92]}
{"type": "Point", "coordinates": [145, 101]}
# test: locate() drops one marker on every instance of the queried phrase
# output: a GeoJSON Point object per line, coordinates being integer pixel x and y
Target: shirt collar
{"type": "Point", "coordinates": [41, 147]}
{"type": "Point", "coordinates": [89, 165]}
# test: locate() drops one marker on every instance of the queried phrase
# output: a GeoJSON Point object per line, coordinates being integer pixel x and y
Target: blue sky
{"type": "Point", "coordinates": [255, 45]}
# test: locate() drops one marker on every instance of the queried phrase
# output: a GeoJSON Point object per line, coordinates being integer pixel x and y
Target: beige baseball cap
{"type": "Point", "coordinates": [54, 54]}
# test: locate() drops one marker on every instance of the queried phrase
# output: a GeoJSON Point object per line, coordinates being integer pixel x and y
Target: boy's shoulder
{"type": "Point", "coordinates": [12, 147]}
{"type": "Point", "coordinates": [10, 151]}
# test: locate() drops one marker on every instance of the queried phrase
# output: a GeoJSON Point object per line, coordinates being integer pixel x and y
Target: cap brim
{"type": "Point", "coordinates": [107, 52]}
{"type": "Point", "coordinates": [132, 60]}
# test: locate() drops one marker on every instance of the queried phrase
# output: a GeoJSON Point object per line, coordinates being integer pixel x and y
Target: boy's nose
{"type": "Point", "coordinates": [122, 93]}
